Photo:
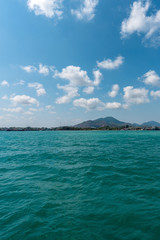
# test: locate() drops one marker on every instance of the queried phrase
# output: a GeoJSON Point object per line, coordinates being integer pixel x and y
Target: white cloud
{"type": "Point", "coordinates": [29, 68]}
{"type": "Point", "coordinates": [76, 78]}
{"type": "Point", "coordinates": [135, 95]}
{"type": "Point", "coordinates": [151, 78]}
{"type": "Point", "coordinates": [13, 110]}
{"type": "Point", "coordinates": [49, 8]}
{"type": "Point", "coordinates": [155, 94]}
{"type": "Point", "coordinates": [113, 105]}
{"type": "Point", "coordinates": [97, 76]}
{"type": "Point", "coordinates": [88, 90]}
{"type": "Point", "coordinates": [71, 93]}
{"type": "Point", "coordinates": [39, 88]}
{"type": "Point", "coordinates": [89, 104]}
{"type": "Point", "coordinates": [139, 22]}
{"type": "Point", "coordinates": [97, 79]}
{"type": "Point", "coordinates": [95, 104]}
{"type": "Point", "coordinates": [86, 10]}
{"type": "Point", "coordinates": [4, 83]}
{"type": "Point", "coordinates": [43, 69]}
{"type": "Point", "coordinates": [115, 90]}
{"type": "Point", "coordinates": [24, 100]}
{"type": "Point", "coordinates": [111, 64]}
{"type": "Point", "coordinates": [41, 91]}
{"type": "Point", "coordinates": [5, 97]}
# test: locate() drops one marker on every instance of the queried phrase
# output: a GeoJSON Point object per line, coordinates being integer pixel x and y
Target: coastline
{"type": "Point", "coordinates": [68, 128]}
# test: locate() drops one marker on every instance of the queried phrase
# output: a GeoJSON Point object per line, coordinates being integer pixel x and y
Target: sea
{"type": "Point", "coordinates": [80, 185]}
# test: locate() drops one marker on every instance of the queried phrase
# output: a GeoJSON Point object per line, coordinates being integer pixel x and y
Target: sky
{"type": "Point", "coordinates": [66, 61]}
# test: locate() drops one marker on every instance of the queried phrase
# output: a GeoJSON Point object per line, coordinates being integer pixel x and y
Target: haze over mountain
{"type": "Point", "coordinates": [112, 122]}
{"type": "Point", "coordinates": [151, 124]}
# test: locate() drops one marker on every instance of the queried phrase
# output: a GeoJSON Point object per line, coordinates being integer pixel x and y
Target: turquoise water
{"type": "Point", "coordinates": [80, 185]}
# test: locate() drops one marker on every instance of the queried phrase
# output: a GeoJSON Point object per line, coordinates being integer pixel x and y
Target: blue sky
{"type": "Point", "coordinates": [63, 62]}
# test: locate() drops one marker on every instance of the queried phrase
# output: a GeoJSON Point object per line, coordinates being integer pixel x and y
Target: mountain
{"type": "Point", "coordinates": [102, 122]}
{"type": "Point", "coordinates": [151, 124]}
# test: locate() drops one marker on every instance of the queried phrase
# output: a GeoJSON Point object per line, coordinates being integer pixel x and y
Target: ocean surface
{"type": "Point", "coordinates": [84, 185]}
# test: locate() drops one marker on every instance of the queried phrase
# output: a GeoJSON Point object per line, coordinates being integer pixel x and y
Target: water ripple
{"type": "Point", "coordinates": [79, 185]}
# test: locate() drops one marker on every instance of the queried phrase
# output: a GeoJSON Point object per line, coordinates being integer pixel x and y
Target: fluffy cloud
{"type": "Point", "coordinates": [95, 104]}
{"type": "Point", "coordinates": [38, 87]}
{"type": "Point", "coordinates": [76, 78]}
{"type": "Point", "coordinates": [114, 92]}
{"type": "Point", "coordinates": [4, 83]}
{"type": "Point", "coordinates": [24, 100]}
{"type": "Point", "coordinates": [155, 94]}
{"type": "Point", "coordinates": [151, 78]}
{"type": "Point", "coordinates": [74, 75]}
{"type": "Point", "coordinates": [49, 8]}
{"type": "Point", "coordinates": [89, 104]}
{"type": "Point", "coordinates": [113, 105]}
{"type": "Point", "coordinates": [29, 68]}
{"type": "Point", "coordinates": [71, 92]}
{"type": "Point", "coordinates": [111, 64]}
{"type": "Point", "coordinates": [43, 69]}
{"type": "Point", "coordinates": [97, 77]}
{"type": "Point", "coordinates": [86, 10]}
{"type": "Point", "coordinates": [139, 22]}
{"type": "Point", "coordinates": [135, 95]}
{"type": "Point", "coordinates": [88, 90]}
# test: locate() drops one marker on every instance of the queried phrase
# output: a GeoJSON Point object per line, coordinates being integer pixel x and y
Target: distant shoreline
{"type": "Point", "coordinates": [68, 128]}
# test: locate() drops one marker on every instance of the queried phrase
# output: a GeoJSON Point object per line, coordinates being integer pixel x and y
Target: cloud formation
{"type": "Point", "coordinates": [151, 78]}
{"type": "Point", "coordinates": [86, 10]}
{"type": "Point", "coordinates": [95, 104]}
{"type": "Point", "coordinates": [71, 92]}
{"type": "Point", "coordinates": [4, 83]}
{"type": "Point", "coordinates": [113, 105]}
{"type": "Point", "coordinates": [155, 94]}
{"type": "Point", "coordinates": [89, 104]}
{"type": "Point", "coordinates": [135, 95]}
{"type": "Point", "coordinates": [111, 64]}
{"type": "Point", "coordinates": [138, 22]}
{"type": "Point", "coordinates": [115, 90]}
{"type": "Point", "coordinates": [29, 68]}
{"type": "Point", "coordinates": [41, 69]}
{"type": "Point", "coordinates": [38, 87]}
{"type": "Point", "coordinates": [23, 100]}
{"type": "Point", "coordinates": [76, 78]}
{"type": "Point", "coordinates": [48, 8]}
